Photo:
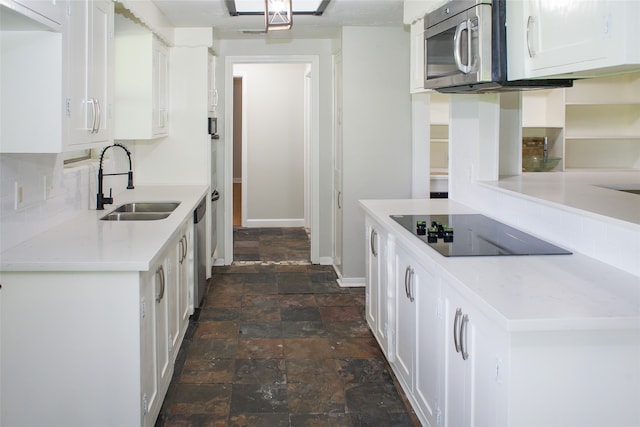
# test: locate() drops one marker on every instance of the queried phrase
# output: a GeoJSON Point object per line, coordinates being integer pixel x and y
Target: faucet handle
{"type": "Point", "coordinates": [108, 200]}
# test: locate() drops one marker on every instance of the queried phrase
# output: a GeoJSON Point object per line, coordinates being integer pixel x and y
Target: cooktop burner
{"type": "Point", "coordinates": [474, 235]}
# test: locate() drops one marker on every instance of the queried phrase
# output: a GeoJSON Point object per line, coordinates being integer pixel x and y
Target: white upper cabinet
{"type": "Point", "coordinates": [90, 76]}
{"type": "Point", "coordinates": [31, 104]}
{"type": "Point", "coordinates": [576, 37]}
{"type": "Point", "coordinates": [31, 78]}
{"type": "Point", "coordinates": [55, 78]}
{"type": "Point", "coordinates": [416, 9]}
{"type": "Point", "coordinates": [212, 98]}
{"type": "Point", "coordinates": [36, 14]}
{"type": "Point", "coordinates": [52, 10]}
{"type": "Point", "coordinates": [417, 57]}
{"type": "Point", "coordinates": [141, 82]}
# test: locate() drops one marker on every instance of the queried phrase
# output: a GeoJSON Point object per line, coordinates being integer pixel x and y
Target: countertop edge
{"type": "Point", "coordinates": [29, 256]}
{"type": "Point", "coordinates": [551, 323]}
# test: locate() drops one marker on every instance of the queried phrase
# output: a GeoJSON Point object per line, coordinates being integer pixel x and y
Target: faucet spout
{"type": "Point", "coordinates": [101, 200]}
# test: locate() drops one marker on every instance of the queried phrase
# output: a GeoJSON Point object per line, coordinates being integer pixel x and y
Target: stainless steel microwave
{"type": "Point", "coordinates": [466, 49]}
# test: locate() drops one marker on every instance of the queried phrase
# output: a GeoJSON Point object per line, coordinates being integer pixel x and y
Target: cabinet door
{"type": "Point", "coordinates": [213, 93]}
{"type": "Point", "coordinates": [50, 9]}
{"type": "Point", "coordinates": [377, 297]}
{"type": "Point", "coordinates": [160, 88]}
{"type": "Point", "coordinates": [406, 283]}
{"type": "Point", "coordinates": [173, 297]}
{"type": "Point", "coordinates": [417, 57]}
{"type": "Point", "coordinates": [548, 37]}
{"type": "Point", "coordinates": [474, 351]}
{"type": "Point", "coordinates": [181, 308]}
{"type": "Point", "coordinates": [186, 277]}
{"type": "Point", "coordinates": [429, 361]}
{"type": "Point", "coordinates": [337, 164]}
{"type": "Point", "coordinates": [161, 300]}
{"type": "Point", "coordinates": [150, 401]}
{"type": "Point", "coordinates": [90, 42]}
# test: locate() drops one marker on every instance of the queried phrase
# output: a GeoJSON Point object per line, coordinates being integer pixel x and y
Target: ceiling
{"type": "Point", "coordinates": [214, 13]}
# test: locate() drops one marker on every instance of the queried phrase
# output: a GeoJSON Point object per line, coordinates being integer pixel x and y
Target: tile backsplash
{"type": "Point", "coordinates": [37, 192]}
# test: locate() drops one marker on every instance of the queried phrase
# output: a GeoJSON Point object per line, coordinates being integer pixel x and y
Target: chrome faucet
{"type": "Point", "coordinates": [101, 200]}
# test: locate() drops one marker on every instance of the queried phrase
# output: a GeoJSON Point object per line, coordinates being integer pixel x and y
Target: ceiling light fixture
{"type": "Point", "coordinates": [278, 15]}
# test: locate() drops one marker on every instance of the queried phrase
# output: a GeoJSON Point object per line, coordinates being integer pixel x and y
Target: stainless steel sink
{"type": "Point", "coordinates": [148, 207]}
{"type": "Point", "coordinates": [627, 188]}
{"type": "Point", "coordinates": [135, 216]}
{"type": "Point", "coordinates": [141, 211]}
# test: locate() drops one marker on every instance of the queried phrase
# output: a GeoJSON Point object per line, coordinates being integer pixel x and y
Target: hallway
{"type": "Point", "coordinates": [278, 343]}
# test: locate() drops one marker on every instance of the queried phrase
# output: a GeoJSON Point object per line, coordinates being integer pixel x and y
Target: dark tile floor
{"type": "Point", "coordinates": [278, 343]}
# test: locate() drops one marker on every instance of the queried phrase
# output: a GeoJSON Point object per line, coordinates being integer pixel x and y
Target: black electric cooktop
{"type": "Point", "coordinates": [474, 235]}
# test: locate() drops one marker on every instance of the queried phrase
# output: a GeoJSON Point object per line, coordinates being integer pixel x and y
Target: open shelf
{"type": "Point", "coordinates": [611, 90]}
{"type": "Point", "coordinates": [593, 125]}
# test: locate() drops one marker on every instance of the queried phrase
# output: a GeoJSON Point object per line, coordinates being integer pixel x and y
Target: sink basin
{"type": "Point", "coordinates": [148, 207]}
{"type": "Point", "coordinates": [539, 164]}
{"type": "Point", "coordinates": [141, 211]}
{"type": "Point", "coordinates": [627, 188]}
{"type": "Point", "coordinates": [135, 216]}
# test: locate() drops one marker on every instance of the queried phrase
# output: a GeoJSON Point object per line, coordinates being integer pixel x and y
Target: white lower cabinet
{"type": "Point", "coordinates": [378, 298]}
{"type": "Point", "coordinates": [474, 350]}
{"type": "Point", "coordinates": [94, 348]}
{"type": "Point", "coordinates": [164, 318]}
{"type": "Point", "coordinates": [181, 306]}
{"type": "Point", "coordinates": [448, 355]}
{"type": "Point", "coordinates": [418, 363]}
{"type": "Point", "coordinates": [461, 363]}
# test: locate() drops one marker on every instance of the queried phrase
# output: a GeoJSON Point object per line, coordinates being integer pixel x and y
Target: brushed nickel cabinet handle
{"type": "Point", "coordinates": [530, 21]}
{"type": "Point", "coordinates": [463, 337]}
{"type": "Point", "coordinates": [98, 116]}
{"type": "Point", "coordinates": [372, 241]}
{"type": "Point", "coordinates": [411, 293]}
{"type": "Point", "coordinates": [160, 273]}
{"type": "Point", "coordinates": [456, 321]}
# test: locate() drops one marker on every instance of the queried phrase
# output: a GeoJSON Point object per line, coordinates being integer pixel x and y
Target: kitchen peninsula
{"type": "Point", "coordinates": [93, 313]}
{"type": "Point", "coordinates": [529, 332]}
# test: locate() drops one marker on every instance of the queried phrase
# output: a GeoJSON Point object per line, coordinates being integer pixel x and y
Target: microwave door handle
{"type": "Point", "coordinates": [457, 41]}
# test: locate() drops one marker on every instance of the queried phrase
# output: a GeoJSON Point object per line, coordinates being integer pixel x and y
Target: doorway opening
{"type": "Point", "coordinates": [271, 170]}
{"type": "Point", "coordinates": [237, 150]}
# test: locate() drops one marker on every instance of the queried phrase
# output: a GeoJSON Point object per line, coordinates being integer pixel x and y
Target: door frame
{"type": "Point", "coordinates": [312, 146]}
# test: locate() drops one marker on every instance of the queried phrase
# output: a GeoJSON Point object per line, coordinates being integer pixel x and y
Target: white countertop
{"type": "Point", "coordinates": [526, 292]}
{"type": "Point", "coordinates": [86, 243]}
{"type": "Point", "coordinates": [585, 192]}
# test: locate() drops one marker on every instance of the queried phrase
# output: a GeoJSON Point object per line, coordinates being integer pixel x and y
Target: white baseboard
{"type": "Point", "coordinates": [284, 222]}
{"type": "Point", "coordinates": [325, 260]}
{"type": "Point", "coordinates": [350, 282]}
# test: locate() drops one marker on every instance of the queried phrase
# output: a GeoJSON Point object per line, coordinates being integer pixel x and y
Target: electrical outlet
{"type": "Point", "coordinates": [48, 187]}
{"type": "Point", "coordinates": [19, 196]}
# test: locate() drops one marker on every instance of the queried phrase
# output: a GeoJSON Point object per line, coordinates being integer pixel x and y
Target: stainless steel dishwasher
{"type": "Point", "coordinates": [200, 255]}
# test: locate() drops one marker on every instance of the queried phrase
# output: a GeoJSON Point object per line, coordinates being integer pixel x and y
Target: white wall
{"type": "Point", "coordinates": [274, 151]}
{"type": "Point", "coordinates": [376, 129]}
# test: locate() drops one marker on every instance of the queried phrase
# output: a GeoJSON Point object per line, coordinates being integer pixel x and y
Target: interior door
{"type": "Point", "coordinates": [337, 163]}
